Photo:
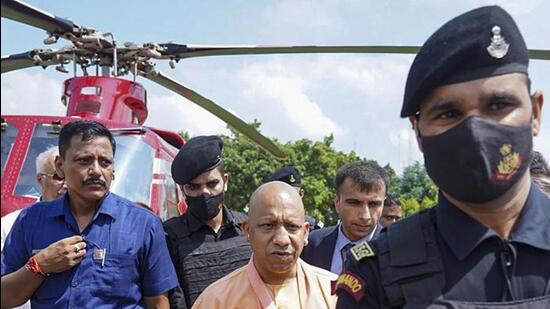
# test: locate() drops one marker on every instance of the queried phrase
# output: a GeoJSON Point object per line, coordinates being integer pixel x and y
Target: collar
{"type": "Point", "coordinates": [109, 206]}
{"type": "Point", "coordinates": [57, 206]}
{"type": "Point", "coordinates": [531, 228]}
{"type": "Point", "coordinates": [61, 206]}
{"type": "Point", "coordinates": [195, 223]}
{"type": "Point", "coordinates": [342, 240]}
{"type": "Point", "coordinates": [259, 287]}
{"type": "Point", "coordinates": [450, 219]}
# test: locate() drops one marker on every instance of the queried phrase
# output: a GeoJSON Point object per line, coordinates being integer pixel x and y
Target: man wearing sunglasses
{"type": "Point", "coordinates": [51, 185]}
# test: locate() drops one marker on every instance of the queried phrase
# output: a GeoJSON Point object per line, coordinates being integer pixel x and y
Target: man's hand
{"type": "Point", "coordinates": [61, 255]}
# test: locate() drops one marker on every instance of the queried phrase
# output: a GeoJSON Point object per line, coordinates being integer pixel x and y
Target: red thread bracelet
{"type": "Point", "coordinates": [33, 266]}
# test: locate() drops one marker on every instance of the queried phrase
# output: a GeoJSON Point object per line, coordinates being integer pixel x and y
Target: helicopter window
{"type": "Point", "coordinates": [169, 197]}
{"type": "Point", "coordinates": [44, 136]}
{"type": "Point", "coordinates": [133, 164]}
{"type": "Point", "coordinates": [133, 168]}
{"type": "Point", "coordinates": [91, 90]}
{"type": "Point", "coordinates": [88, 106]}
{"type": "Point", "coordinates": [8, 138]}
{"type": "Point", "coordinates": [171, 202]}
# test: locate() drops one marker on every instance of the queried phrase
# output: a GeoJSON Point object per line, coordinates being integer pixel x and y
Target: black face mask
{"type": "Point", "coordinates": [478, 160]}
{"type": "Point", "coordinates": [205, 207]}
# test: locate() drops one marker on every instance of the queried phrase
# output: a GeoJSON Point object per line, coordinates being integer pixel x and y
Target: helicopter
{"type": "Point", "coordinates": [121, 105]}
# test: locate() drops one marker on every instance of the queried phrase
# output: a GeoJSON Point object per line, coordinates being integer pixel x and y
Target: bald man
{"type": "Point", "coordinates": [275, 276]}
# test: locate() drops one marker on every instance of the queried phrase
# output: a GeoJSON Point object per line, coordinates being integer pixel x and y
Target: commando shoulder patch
{"type": "Point", "coordinates": [361, 251]}
{"type": "Point", "coordinates": [349, 283]}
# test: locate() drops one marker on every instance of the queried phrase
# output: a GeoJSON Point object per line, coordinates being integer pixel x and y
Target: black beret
{"type": "Point", "coordinates": [288, 174]}
{"type": "Point", "coordinates": [200, 154]}
{"type": "Point", "coordinates": [478, 44]}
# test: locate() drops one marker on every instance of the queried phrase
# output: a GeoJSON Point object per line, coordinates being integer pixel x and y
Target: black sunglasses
{"type": "Point", "coordinates": [54, 176]}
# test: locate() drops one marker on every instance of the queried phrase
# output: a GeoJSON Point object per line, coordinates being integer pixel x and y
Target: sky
{"type": "Point", "coordinates": [356, 97]}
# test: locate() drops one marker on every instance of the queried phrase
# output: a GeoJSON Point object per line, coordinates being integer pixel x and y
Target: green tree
{"type": "Point", "coordinates": [318, 163]}
{"type": "Point", "coordinates": [184, 134]}
{"type": "Point", "coordinates": [416, 190]}
{"type": "Point", "coordinates": [395, 182]}
{"type": "Point", "coordinates": [409, 205]}
{"type": "Point", "coordinates": [249, 167]}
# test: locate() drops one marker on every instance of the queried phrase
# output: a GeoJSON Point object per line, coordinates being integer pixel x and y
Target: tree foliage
{"type": "Point", "coordinates": [416, 190]}
{"type": "Point", "coordinates": [249, 166]}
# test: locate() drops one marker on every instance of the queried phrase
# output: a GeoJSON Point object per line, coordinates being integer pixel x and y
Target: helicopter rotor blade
{"type": "Point", "coordinates": [17, 61]}
{"type": "Point", "coordinates": [539, 54]}
{"type": "Point", "coordinates": [42, 58]}
{"type": "Point", "coordinates": [218, 111]}
{"type": "Point", "coordinates": [27, 14]}
{"type": "Point", "coordinates": [179, 51]}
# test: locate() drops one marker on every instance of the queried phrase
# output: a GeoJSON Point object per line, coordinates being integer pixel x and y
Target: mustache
{"type": "Point", "coordinates": [94, 181]}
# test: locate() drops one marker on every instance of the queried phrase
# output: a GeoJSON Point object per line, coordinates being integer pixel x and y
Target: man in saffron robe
{"type": "Point", "coordinates": [275, 277]}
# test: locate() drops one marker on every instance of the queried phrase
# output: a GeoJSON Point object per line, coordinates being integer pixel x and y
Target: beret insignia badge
{"type": "Point", "coordinates": [292, 179]}
{"type": "Point", "coordinates": [498, 47]}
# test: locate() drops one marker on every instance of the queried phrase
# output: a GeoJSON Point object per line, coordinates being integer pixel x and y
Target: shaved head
{"type": "Point", "coordinates": [273, 193]}
{"type": "Point", "coordinates": [276, 230]}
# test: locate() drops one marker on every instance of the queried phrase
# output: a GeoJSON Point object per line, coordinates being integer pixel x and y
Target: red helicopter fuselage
{"type": "Point", "coordinates": [143, 154]}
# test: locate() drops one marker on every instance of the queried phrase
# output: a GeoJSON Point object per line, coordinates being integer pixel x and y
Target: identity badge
{"type": "Point", "coordinates": [99, 256]}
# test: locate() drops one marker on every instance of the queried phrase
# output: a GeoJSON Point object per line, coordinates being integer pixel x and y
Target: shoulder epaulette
{"type": "Point", "coordinates": [361, 251]}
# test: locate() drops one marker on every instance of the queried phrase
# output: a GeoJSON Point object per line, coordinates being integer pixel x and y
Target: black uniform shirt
{"type": "Point", "coordinates": [478, 264]}
{"type": "Point", "coordinates": [187, 228]}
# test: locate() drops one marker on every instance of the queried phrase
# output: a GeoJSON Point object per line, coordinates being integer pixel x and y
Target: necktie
{"type": "Point", "coordinates": [344, 252]}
